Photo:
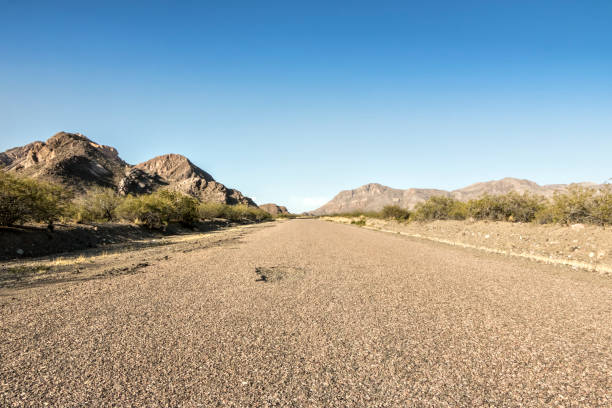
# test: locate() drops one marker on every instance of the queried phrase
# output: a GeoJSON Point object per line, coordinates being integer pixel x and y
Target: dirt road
{"type": "Point", "coordinates": [312, 313]}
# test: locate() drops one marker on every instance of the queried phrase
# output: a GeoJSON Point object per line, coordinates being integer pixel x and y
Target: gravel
{"type": "Point", "coordinates": [353, 317]}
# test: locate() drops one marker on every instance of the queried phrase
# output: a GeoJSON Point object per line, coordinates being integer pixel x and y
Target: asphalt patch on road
{"type": "Point", "coordinates": [278, 273]}
{"type": "Point", "coordinates": [125, 270]}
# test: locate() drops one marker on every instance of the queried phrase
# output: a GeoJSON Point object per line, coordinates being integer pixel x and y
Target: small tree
{"type": "Point", "coordinates": [440, 208]}
{"type": "Point", "coordinates": [601, 212]}
{"type": "Point", "coordinates": [505, 207]}
{"type": "Point", "coordinates": [98, 204]}
{"type": "Point", "coordinates": [24, 199]}
{"type": "Point", "coordinates": [156, 210]}
{"type": "Point", "coordinates": [575, 205]}
{"type": "Point", "coordinates": [395, 212]}
{"type": "Point", "coordinates": [208, 210]}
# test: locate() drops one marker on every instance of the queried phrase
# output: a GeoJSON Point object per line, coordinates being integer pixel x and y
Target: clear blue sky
{"type": "Point", "coordinates": [291, 102]}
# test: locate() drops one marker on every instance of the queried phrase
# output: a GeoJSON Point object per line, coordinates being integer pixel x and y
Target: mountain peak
{"type": "Point", "coordinates": [174, 167]}
{"type": "Point", "coordinates": [66, 137]}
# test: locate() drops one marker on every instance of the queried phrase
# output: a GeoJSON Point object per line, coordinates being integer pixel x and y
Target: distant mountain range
{"type": "Point", "coordinates": [373, 196]}
{"type": "Point", "coordinates": [79, 164]}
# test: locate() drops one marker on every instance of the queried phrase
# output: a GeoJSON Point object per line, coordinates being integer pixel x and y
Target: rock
{"type": "Point", "coordinates": [577, 227]}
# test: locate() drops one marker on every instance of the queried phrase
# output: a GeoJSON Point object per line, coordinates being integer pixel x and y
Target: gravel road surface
{"type": "Point", "coordinates": [312, 313]}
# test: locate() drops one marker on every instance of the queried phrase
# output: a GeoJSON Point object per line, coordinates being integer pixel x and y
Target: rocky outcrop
{"type": "Point", "coordinates": [69, 159]}
{"type": "Point", "coordinates": [78, 163]}
{"type": "Point", "coordinates": [274, 209]}
{"type": "Point", "coordinates": [178, 173]}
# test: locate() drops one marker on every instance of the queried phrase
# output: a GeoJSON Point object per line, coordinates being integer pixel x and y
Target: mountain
{"type": "Point", "coordinates": [373, 197]}
{"type": "Point", "coordinates": [69, 159]}
{"type": "Point", "coordinates": [78, 163]}
{"type": "Point", "coordinates": [274, 209]}
{"type": "Point", "coordinates": [509, 184]}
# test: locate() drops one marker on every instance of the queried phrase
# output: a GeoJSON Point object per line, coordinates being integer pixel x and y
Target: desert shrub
{"type": "Point", "coordinates": [24, 199]}
{"type": "Point", "coordinates": [156, 210]}
{"type": "Point", "coordinates": [544, 215]}
{"type": "Point", "coordinates": [440, 208]}
{"type": "Point", "coordinates": [288, 216]}
{"type": "Point", "coordinates": [395, 212]}
{"type": "Point", "coordinates": [257, 214]}
{"type": "Point", "coordinates": [359, 213]}
{"type": "Point", "coordinates": [184, 208]}
{"type": "Point", "coordinates": [98, 204]}
{"type": "Point", "coordinates": [505, 207]}
{"type": "Point", "coordinates": [241, 212]}
{"type": "Point", "coordinates": [601, 212]}
{"type": "Point", "coordinates": [360, 222]}
{"type": "Point", "coordinates": [208, 210]}
{"type": "Point", "coordinates": [147, 210]}
{"type": "Point", "coordinates": [575, 205]}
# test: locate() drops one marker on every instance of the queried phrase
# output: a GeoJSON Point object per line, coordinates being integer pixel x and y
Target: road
{"type": "Point", "coordinates": [312, 313]}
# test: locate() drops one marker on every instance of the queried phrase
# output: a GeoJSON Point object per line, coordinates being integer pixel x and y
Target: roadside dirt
{"type": "Point", "coordinates": [582, 246]}
{"type": "Point", "coordinates": [111, 259]}
{"type": "Point", "coordinates": [29, 241]}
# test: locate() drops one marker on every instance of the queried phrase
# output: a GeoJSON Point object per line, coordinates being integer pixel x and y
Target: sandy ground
{"type": "Point", "coordinates": [581, 245]}
{"type": "Point", "coordinates": [307, 313]}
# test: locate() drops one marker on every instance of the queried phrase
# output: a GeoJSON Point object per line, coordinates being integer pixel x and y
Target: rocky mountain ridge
{"type": "Point", "coordinates": [374, 196]}
{"type": "Point", "coordinates": [78, 163]}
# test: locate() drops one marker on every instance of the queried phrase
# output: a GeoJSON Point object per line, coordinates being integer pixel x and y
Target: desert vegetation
{"type": "Point", "coordinates": [25, 200]}
{"type": "Point", "coordinates": [576, 205]}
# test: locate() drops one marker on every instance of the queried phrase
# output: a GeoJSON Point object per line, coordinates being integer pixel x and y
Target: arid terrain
{"type": "Point", "coordinates": [302, 313]}
{"type": "Point", "coordinates": [580, 246]}
{"type": "Point", "coordinates": [374, 196]}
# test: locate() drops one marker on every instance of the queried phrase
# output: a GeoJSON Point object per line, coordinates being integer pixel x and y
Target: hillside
{"type": "Point", "coordinates": [78, 163]}
{"type": "Point", "coordinates": [373, 196]}
{"type": "Point", "coordinates": [274, 209]}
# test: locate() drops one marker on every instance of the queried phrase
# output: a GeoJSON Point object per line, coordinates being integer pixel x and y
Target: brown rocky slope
{"type": "Point", "coordinates": [78, 163]}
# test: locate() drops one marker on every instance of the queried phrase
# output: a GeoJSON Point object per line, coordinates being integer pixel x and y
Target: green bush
{"type": "Point", "coordinates": [237, 213]}
{"type": "Point", "coordinates": [208, 211]}
{"type": "Point", "coordinates": [98, 204]}
{"type": "Point", "coordinates": [601, 212]}
{"type": "Point", "coordinates": [440, 208]}
{"type": "Point", "coordinates": [506, 207]}
{"type": "Point", "coordinates": [545, 215]}
{"type": "Point", "coordinates": [243, 212]}
{"type": "Point", "coordinates": [156, 210]}
{"type": "Point", "coordinates": [184, 208]}
{"type": "Point", "coordinates": [574, 206]}
{"type": "Point", "coordinates": [23, 200]}
{"type": "Point", "coordinates": [395, 212]}
{"type": "Point", "coordinates": [360, 222]}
